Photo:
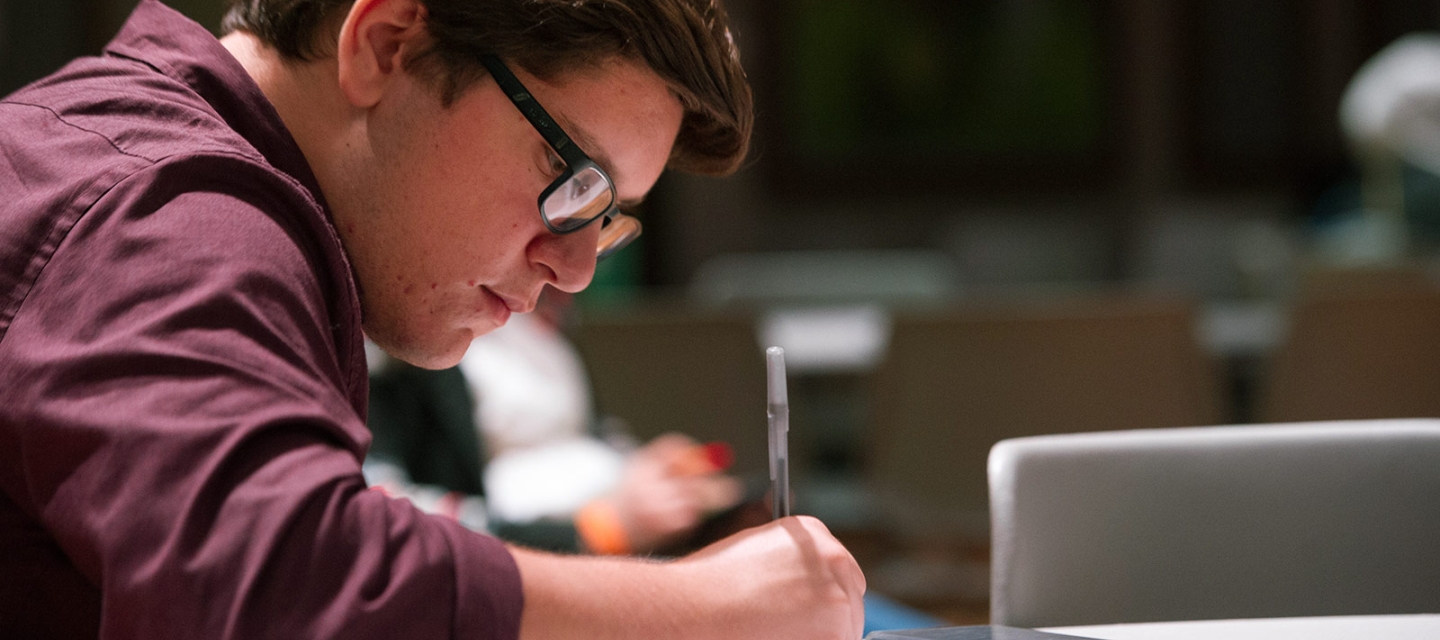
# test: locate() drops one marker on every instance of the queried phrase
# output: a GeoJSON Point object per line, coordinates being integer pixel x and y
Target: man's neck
{"type": "Point", "coordinates": [323, 123]}
{"type": "Point", "coordinates": [305, 94]}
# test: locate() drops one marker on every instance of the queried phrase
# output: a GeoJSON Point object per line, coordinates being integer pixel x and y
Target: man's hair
{"type": "Point", "coordinates": [686, 42]}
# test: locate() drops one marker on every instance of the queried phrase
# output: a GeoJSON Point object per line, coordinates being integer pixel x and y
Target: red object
{"type": "Point", "coordinates": [720, 454]}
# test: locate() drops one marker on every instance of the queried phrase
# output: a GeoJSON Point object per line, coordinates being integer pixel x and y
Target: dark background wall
{"type": "Point", "coordinates": [38, 36]}
{"type": "Point", "coordinates": [1216, 112]}
{"type": "Point", "coordinates": [1197, 116]}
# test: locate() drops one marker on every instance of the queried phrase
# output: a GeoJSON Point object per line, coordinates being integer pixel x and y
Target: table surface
{"type": "Point", "coordinates": [1387, 627]}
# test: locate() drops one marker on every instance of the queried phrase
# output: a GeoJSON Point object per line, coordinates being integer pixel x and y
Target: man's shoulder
{"type": "Point", "coordinates": [182, 221]}
{"type": "Point", "coordinates": [114, 128]}
{"type": "Point", "coordinates": [112, 168]}
{"type": "Point", "coordinates": [189, 252]}
{"type": "Point", "coordinates": [73, 137]}
{"type": "Point", "coordinates": [76, 149]}
{"type": "Point", "coordinates": [124, 105]}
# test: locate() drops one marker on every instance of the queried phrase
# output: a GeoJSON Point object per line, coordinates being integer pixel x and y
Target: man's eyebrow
{"type": "Point", "coordinates": [582, 139]}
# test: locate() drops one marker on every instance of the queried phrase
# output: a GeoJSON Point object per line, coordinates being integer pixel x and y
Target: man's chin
{"type": "Point", "coordinates": [429, 354]}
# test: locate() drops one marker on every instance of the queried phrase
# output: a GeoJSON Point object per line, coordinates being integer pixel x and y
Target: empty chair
{"type": "Point", "coordinates": [1308, 519]}
{"type": "Point", "coordinates": [1357, 354]}
{"type": "Point", "coordinates": [955, 383]}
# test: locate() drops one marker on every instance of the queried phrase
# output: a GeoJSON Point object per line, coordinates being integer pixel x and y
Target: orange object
{"type": "Point", "coordinates": [600, 528]}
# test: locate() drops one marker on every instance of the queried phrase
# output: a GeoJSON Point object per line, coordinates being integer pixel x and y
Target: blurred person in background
{"type": "Point", "coordinates": [509, 442]}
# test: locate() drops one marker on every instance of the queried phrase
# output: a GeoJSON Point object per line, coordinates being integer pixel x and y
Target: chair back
{"type": "Point", "coordinates": [1216, 522]}
{"type": "Point", "coordinates": [955, 383]}
{"type": "Point", "coordinates": [1357, 354]}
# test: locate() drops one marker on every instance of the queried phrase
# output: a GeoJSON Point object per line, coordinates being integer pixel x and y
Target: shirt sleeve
{"type": "Point", "coordinates": [178, 422]}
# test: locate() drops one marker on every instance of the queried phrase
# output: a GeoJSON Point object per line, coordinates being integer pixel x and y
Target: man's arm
{"type": "Point", "coordinates": [787, 580]}
{"type": "Point", "coordinates": [179, 423]}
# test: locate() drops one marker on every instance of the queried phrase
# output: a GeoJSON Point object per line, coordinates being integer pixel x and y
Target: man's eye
{"type": "Point", "coordinates": [556, 164]}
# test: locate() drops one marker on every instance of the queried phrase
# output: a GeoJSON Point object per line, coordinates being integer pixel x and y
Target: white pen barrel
{"type": "Point", "coordinates": [778, 411]}
{"type": "Point", "coordinates": [775, 376]}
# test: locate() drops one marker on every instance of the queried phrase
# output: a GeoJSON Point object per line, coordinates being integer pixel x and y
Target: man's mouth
{"type": "Point", "coordinates": [512, 303]}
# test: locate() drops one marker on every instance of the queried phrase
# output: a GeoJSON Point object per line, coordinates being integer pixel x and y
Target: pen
{"type": "Point", "coordinates": [779, 413]}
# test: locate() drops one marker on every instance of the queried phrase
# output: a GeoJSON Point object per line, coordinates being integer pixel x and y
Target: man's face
{"type": "Point", "coordinates": [441, 219]}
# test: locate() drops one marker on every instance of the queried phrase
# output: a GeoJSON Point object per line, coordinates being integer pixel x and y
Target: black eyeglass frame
{"type": "Point", "coordinates": [575, 159]}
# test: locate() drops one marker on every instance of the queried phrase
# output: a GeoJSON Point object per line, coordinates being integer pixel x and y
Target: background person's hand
{"type": "Point", "coordinates": [666, 491]}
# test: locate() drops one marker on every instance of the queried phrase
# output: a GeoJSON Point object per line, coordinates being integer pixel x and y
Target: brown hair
{"type": "Point", "coordinates": [686, 42]}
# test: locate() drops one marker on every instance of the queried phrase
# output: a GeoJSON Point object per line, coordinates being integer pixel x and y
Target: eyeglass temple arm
{"type": "Point", "coordinates": [528, 107]}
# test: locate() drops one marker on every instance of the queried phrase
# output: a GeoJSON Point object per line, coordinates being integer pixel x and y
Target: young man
{"type": "Point", "coordinates": [191, 235]}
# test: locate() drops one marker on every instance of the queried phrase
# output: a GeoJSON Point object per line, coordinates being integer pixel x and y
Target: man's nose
{"type": "Point", "coordinates": [569, 259]}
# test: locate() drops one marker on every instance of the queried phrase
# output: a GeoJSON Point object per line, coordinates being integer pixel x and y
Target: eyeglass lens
{"type": "Point", "coordinates": [619, 232]}
{"type": "Point", "coordinates": [582, 198]}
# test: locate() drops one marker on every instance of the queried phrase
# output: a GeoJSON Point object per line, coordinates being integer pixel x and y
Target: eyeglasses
{"type": "Point", "coordinates": [583, 193]}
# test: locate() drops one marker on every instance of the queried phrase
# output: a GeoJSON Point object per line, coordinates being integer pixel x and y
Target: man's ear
{"type": "Point", "coordinates": [374, 41]}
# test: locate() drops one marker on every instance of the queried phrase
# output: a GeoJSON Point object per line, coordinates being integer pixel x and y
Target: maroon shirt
{"type": "Point", "coordinates": [182, 381]}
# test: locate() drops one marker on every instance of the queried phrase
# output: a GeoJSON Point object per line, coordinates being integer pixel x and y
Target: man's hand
{"type": "Point", "coordinates": [799, 581]}
{"type": "Point", "coordinates": [785, 580]}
